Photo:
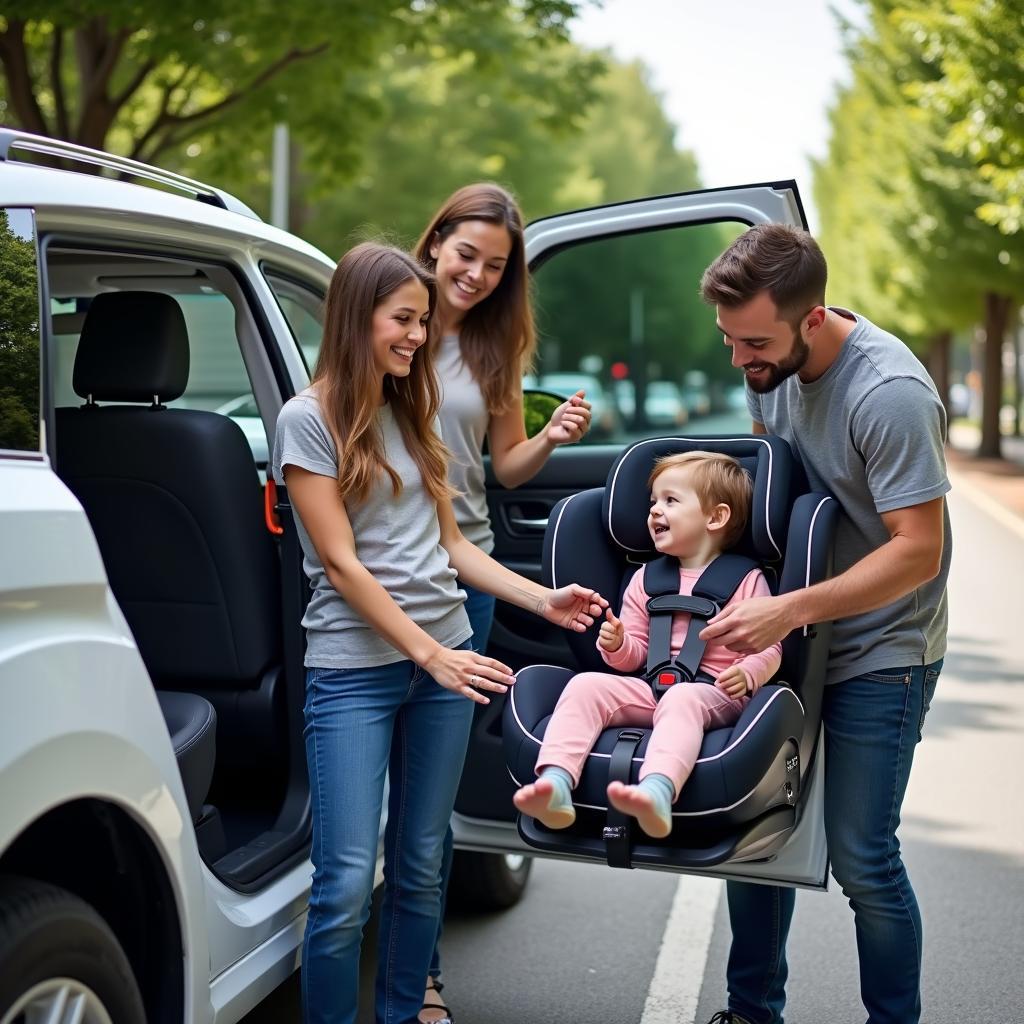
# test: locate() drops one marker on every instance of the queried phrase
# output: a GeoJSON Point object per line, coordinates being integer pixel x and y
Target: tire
{"type": "Point", "coordinates": [488, 881]}
{"type": "Point", "coordinates": [54, 946]}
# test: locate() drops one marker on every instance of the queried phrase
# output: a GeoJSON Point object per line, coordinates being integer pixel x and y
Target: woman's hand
{"type": "Point", "coordinates": [467, 672]}
{"type": "Point", "coordinates": [570, 421]}
{"type": "Point", "coordinates": [612, 634]}
{"type": "Point", "coordinates": [572, 607]}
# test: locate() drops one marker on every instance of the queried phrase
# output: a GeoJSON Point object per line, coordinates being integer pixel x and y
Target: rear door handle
{"type": "Point", "coordinates": [535, 525]}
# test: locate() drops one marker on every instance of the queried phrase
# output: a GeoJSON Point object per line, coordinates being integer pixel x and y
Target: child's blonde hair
{"type": "Point", "coordinates": [717, 480]}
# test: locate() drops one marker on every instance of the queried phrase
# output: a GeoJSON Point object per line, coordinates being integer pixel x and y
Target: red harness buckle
{"type": "Point", "coordinates": [666, 678]}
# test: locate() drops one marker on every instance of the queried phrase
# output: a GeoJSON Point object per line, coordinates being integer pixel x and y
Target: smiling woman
{"type": "Point", "coordinates": [391, 678]}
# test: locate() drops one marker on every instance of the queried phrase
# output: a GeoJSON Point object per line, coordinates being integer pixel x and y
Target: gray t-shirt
{"type": "Point", "coordinates": [398, 539]}
{"type": "Point", "coordinates": [870, 432]}
{"type": "Point", "coordinates": [464, 418]}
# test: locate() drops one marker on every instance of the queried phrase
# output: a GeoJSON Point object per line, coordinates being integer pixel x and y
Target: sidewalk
{"type": "Point", "coordinates": [1002, 480]}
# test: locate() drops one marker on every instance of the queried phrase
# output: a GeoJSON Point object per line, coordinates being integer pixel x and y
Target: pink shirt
{"type": "Point", "coordinates": [632, 655]}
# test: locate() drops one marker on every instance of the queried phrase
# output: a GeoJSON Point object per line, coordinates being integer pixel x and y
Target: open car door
{"type": "Point", "coordinates": [619, 315]}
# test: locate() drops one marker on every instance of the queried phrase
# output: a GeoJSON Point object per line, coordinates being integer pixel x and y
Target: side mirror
{"type": "Point", "coordinates": [537, 409]}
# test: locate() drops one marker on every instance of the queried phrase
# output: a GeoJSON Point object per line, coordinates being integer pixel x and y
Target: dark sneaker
{"type": "Point", "coordinates": [727, 1017]}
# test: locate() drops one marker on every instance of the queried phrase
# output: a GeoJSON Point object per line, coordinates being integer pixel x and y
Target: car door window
{"type": "Point", "coordinates": [621, 317]}
{"type": "Point", "coordinates": [217, 380]}
{"type": "Point", "coordinates": [302, 307]}
{"type": "Point", "coordinates": [19, 334]}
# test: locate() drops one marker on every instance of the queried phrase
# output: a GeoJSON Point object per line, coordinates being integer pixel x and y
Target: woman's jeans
{"type": "Point", "coordinates": [480, 609]}
{"type": "Point", "coordinates": [360, 724]}
{"type": "Point", "coordinates": [872, 725]}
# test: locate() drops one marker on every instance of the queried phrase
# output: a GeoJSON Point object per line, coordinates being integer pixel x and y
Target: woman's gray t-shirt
{"type": "Point", "coordinates": [398, 540]}
{"type": "Point", "coordinates": [464, 419]}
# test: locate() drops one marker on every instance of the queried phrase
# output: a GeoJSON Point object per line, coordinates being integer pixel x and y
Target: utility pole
{"type": "Point", "coordinates": [279, 177]}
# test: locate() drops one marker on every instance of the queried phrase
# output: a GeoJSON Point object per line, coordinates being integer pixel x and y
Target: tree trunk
{"type": "Point", "coordinates": [938, 364]}
{"type": "Point", "coordinates": [1015, 390]}
{"type": "Point", "coordinates": [997, 312]}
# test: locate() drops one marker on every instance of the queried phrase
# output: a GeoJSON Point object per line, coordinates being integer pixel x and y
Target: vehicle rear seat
{"type": "Point", "coordinates": [174, 499]}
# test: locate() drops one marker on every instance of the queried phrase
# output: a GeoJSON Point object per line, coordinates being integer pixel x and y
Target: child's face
{"type": "Point", "coordinates": [400, 328]}
{"type": "Point", "coordinates": [678, 524]}
{"type": "Point", "coordinates": [470, 264]}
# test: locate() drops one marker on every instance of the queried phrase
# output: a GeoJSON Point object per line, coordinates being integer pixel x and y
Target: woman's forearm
{"type": "Point", "coordinates": [381, 612]}
{"type": "Point", "coordinates": [521, 461]}
{"type": "Point", "coordinates": [481, 571]}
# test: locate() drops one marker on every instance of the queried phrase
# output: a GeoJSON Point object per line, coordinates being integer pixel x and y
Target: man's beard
{"type": "Point", "coordinates": [775, 375]}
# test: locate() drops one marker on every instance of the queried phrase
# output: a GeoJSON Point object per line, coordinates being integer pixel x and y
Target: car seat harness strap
{"type": "Point", "coordinates": [617, 826]}
{"type": "Point", "coordinates": [713, 589]}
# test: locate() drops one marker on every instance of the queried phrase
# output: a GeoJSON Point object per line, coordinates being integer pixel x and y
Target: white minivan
{"type": "Point", "coordinates": [154, 808]}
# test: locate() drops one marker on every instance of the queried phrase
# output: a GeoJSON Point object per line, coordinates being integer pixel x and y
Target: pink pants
{"type": "Point", "coordinates": [593, 701]}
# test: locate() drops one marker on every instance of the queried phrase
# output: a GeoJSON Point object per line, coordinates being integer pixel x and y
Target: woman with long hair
{"type": "Point", "coordinates": [391, 676]}
{"type": "Point", "coordinates": [474, 246]}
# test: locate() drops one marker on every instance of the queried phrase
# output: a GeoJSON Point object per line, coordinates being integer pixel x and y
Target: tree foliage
{"type": "Point", "coordinates": [19, 337]}
{"type": "Point", "coordinates": [144, 78]}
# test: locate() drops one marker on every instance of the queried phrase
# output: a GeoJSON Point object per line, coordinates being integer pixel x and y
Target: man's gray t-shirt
{"type": "Point", "coordinates": [398, 540]}
{"type": "Point", "coordinates": [870, 432]}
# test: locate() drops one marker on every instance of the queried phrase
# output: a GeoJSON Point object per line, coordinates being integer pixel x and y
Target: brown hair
{"type": "Point", "coordinates": [784, 261]}
{"type": "Point", "coordinates": [344, 378]}
{"type": "Point", "coordinates": [497, 337]}
{"type": "Point", "coordinates": [717, 480]}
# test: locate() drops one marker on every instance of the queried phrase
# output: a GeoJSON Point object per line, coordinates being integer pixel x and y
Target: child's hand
{"type": "Point", "coordinates": [612, 633]}
{"type": "Point", "coordinates": [572, 607]}
{"type": "Point", "coordinates": [733, 681]}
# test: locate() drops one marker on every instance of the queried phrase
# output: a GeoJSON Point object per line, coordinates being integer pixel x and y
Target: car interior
{"type": "Point", "coordinates": [145, 351]}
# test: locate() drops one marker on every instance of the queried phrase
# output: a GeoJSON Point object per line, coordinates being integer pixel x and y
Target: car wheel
{"type": "Point", "coordinates": [488, 881]}
{"type": "Point", "coordinates": [59, 961]}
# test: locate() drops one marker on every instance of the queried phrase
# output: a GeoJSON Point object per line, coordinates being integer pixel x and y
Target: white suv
{"type": "Point", "coordinates": [154, 809]}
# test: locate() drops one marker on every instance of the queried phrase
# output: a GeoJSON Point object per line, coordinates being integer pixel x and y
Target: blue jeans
{"type": "Point", "coordinates": [872, 726]}
{"type": "Point", "coordinates": [361, 723]}
{"type": "Point", "coordinates": [480, 609]}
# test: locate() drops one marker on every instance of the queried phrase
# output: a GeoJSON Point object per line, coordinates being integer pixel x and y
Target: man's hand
{"type": "Point", "coordinates": [733, 681]}
{"type": "Point", "coordinates": [751, 626]}
{"type": "Point", "coordinates": [612, 633]}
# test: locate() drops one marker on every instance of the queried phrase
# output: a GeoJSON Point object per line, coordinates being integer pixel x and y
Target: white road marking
{"type": "Point", "coordinates": [682, 958]}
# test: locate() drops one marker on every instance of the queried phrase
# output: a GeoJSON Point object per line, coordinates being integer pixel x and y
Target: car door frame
{"type": "Point", "coordinates": [803, 861]}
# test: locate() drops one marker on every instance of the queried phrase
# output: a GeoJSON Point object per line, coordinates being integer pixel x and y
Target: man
{"type": "Point", "coordinates": [865, 420]}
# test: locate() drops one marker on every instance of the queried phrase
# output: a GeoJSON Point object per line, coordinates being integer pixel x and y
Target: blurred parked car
{"type": "Point", "coordinates": [664, 405]}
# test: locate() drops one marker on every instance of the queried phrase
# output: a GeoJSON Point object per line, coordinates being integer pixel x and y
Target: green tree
{"type": "Point", "coordinates": [901, 206]}
{"type": "Point", "coordinates": [19, 338]}
{"type": "Point", "coordinates": [144, 78]}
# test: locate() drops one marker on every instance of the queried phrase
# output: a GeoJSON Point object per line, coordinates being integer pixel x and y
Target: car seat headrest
{"type": "Point", "coordinates": [133, 347]}
{"type": "Point", "coordinates": [768, 460]}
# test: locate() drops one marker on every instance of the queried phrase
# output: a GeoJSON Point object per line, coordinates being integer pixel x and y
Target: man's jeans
{"type": "Point", "coordinates": [872, 725]}
{"type": "Point", "coordinates": [361, 723]}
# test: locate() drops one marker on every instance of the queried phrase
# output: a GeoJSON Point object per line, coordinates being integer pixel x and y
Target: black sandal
{"type": "Point", "coordinates": [436, 986]}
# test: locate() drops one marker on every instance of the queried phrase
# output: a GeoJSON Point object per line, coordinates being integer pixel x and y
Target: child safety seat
{"type": "Point", "coordinates": [743, 798]}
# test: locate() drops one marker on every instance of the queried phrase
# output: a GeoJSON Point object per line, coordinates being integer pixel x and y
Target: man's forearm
{"type": "Point", "coordinates": [895, 569]}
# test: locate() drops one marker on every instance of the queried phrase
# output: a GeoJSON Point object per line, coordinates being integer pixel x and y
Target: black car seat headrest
{"type": "Point", "coordinates": [768, 460]}
{"type": "Point", "coordinates": [133, 348]}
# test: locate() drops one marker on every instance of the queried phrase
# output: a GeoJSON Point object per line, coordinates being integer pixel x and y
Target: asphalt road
{"type": "Point", "coordinates": [589, 944]}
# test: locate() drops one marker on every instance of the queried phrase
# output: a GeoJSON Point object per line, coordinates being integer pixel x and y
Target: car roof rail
{"type": "Point", "coordinates": [12, 139]}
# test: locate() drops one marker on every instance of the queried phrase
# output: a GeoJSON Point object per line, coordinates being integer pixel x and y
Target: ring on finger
{"type": "Point", "coordinates": [473, 680]}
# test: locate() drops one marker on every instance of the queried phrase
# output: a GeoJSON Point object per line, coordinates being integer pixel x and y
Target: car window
{"type": "Point", "coordinates": [622, 318]}
{"type": "Point", "coordinates": [19, 333]}
{"type": "Point", "coordinates": [302, 307]}
{"type": "Point", "coordinates": [217, 380]}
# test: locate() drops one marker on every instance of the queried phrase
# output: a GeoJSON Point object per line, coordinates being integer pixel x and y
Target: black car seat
{"type": "Point", "coordinates": [743, 796]}
{"type": "Point", "coordinates": [174, 499]}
